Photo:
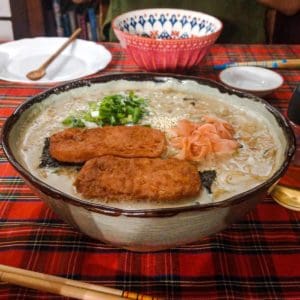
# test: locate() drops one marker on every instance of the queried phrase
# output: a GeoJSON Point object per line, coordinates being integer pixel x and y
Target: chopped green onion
{"type": "Point", "coordinates": [95, 113]}
{"type": "Point", "coordinates": [111, 110]}
{"type": "Point", "coordinates": [73, 122]}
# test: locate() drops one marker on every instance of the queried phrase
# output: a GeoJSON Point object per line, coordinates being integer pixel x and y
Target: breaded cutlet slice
{"type": "Point", "coordinates": [76, 145]}
{"type": "Point", "coordinates": [131, 179]}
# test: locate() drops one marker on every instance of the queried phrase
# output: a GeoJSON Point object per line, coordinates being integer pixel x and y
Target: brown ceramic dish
{"type": "Point", "coordinates": [152, 228]}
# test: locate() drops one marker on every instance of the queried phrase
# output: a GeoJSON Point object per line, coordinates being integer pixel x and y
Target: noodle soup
{"type": "Point", "coordinates": [243, 177]}
{"type": "Point", "coordinates": [259, 156]}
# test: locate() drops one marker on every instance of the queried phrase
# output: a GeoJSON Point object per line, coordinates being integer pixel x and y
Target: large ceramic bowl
{"type": "Point", "coordinates": [138, 227]}
{"type": "Point", "coordinates": [166, 39]}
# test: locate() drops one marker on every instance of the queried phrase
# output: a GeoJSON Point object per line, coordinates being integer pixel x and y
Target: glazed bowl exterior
{"type": "Point", "coordinates": [166, 39]}
{"type": "Point", "coordinates": [145, 229]}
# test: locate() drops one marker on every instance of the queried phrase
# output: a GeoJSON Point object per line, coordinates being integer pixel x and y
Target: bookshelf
{"type": "Point", "coordinates": [87, 14]}
{"type": "Point", "coordinates": [30, 18]}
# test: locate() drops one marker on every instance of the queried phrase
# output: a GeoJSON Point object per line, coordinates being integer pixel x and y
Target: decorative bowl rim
{"type": "Point", "coordinates": [155, 212]}
{"type": "Point", "coordinates": [213, 35]}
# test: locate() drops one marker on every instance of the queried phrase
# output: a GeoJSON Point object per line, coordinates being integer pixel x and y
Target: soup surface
{"type": "Point", "coordinates": [257, 158]}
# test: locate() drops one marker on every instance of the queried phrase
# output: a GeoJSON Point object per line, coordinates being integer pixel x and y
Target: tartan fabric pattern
{"type": "Point", "coordinates": [255, 258]}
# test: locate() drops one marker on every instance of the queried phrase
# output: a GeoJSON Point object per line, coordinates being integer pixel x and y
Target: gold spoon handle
{"type": "Point", "coordinates": [59, 50]}
{"type": "Point", "coordinates": [288, 197]}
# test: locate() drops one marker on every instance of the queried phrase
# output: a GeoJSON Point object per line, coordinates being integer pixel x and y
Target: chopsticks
{"type": "Point", "coordinates": [64, 287]}
{"type": "Point", "coordinates": [271, 64]}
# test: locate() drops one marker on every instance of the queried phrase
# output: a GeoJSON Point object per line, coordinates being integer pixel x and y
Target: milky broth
{"type": "Point", "coordinates": [168, 102]}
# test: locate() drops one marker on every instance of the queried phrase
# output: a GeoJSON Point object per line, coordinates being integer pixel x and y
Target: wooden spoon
{"type": "Point", "coordinates": [41, 71]}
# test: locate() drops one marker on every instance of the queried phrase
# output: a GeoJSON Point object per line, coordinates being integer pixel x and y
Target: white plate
{"type": "Point", "coordinates": [255, 80]}
{"type": "Point", "coordinates": [79, 59]}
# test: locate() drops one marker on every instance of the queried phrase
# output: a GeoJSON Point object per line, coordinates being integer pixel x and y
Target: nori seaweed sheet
{"type": "Point", "coordinates": [207, 178]}
{"type": "Point", "coordinates": [48, 162]}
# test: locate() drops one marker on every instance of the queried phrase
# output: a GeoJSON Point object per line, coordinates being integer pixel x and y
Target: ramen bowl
{"type": "Point", "coordinates": [166, 39]}
{"type": "Point", "coordinates": [143, 225]}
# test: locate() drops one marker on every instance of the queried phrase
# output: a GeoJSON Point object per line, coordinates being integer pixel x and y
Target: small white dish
{"type": "Point", "coordinates": [256, 80]}
{"type": "Point", "coordinates": [79, 59]}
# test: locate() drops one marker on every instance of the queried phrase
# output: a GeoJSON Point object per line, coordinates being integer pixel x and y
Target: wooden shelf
{"type": "Point", "coordinates": [27, 18]}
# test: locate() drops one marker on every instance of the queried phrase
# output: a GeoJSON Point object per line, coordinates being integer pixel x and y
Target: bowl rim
{"type": "Point", "coordinates": [213, 35]}
{"type": "Point", "coordinates": [155, 212]}
{"type": "Point", "coordinates": [261, 69]}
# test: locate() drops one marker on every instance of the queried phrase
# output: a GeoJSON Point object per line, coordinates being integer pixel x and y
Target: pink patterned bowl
{"type": "Point", "coordinates": [166, 39]}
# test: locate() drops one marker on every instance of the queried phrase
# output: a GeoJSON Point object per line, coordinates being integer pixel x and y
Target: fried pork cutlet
{"type": "Point", "coordinates": [130, 179]}
{"type": "Point", "coordinates": [76, 145]}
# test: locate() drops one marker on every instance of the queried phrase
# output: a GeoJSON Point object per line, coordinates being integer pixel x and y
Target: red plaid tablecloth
{"type": "Point", "coordinates": [256, 258]}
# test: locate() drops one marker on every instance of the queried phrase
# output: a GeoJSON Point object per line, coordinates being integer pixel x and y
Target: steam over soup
{"type": "Point", "coordinates": [253, 156]}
